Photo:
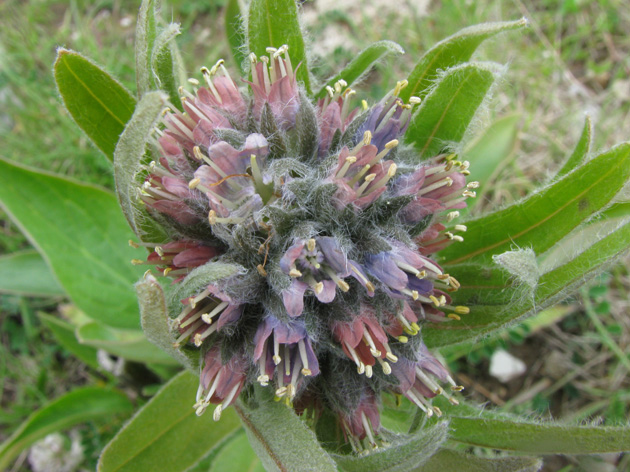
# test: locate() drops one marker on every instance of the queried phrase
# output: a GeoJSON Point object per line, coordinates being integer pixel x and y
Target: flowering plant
{"type": "Point", "coordinates": [304, 247]}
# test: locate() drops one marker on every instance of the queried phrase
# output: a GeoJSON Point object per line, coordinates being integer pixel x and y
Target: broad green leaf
{"type": "Point", "coordinates": [446, 112]}
{"type": "Point", "coordinates": [26, 273]}
{"type": "Point", "coordinates": [155, 322]}
{"type": "Point", "coordinates": [450, 52]}
{"type": "Point", "coordinates": [553, 286]}
{"type": "Point", "coordinates": [79, 230]}
{"type": "Point", "coordinates": [235, 32]}
{"type": "Point", "coordinates": [128, 160]}
{"type": "Point", "coordinates": [542, 219]}
{"type": "Point", "coordinates": [166, 434]}
{"type": "Point", "coordinates": [64, 333]}
{"type": "Point", "coordinates": [146, 33]}
{"type": "Point", "coordinates": [98, 103]}
{"type": "Point", "coordinates": [273, 24]}
{"type": "Point", "coordinates": [130, 344]}
{"type": "Point", "coordinates": [582, 148]}
{"type": "Point", "coordinates": [281, 439]}
{"type": "Point", "coordinates": [164, 67]}
{"type": "Point", "coordinates": [237, 455]}
{"type": "Point", "coordinates": [363, 63]}
{"type": "Point", "coordinates": [490, 152]}
{"type": "Point", "coordinates": [79, 406]}
{"type": "Point", "coordinates": [404, 454]}
{"type": "Point", "coordinates": [446, 459]}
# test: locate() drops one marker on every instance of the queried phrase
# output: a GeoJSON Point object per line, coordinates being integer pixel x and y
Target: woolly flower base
{"type": "Point", "coordinates": [301, 237]}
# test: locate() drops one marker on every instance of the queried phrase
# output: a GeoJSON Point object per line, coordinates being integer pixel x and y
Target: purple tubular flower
{"type": "Point", "coordinates": [318, 264]}
{"type": "Point", "coordinates": [206, 313]}
{"type": "Point", "coordinates": [363, 421]}
{"type": "Point", "coordinates": [284, 350]}
{"type": "Point", "coordinates": [334, 113]}
{"type": "Point", "coordinates": [220, 383]}
{"type": "Point", "coordinates": [275, 83]}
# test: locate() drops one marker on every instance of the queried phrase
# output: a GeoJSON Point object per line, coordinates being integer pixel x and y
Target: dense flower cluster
{"type": "Point", "coordinates": [328, 224]}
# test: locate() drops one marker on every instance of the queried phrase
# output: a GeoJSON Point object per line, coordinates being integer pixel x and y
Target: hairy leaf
{"type": "Point", "coordinates": [582, 148]}
{"type": "Point", "coordinates": [79, 406]}
{"type": "Point", "coordinates": [146, 33]}
{"type": "Point", "coordinates": [450, 52]}
{"type": "Point", "coordinates": [98, 103]}
{"type": "Point", "coordinates": [273, 24]}
{"type": "Point", "coordinates": [282, 441]}
{"type": "Point", "coordinates": [543, 218]}
{"type": "Point", "coordinates": [552, 287]}
{"type": "Point", "coordinates": [446, 459]}
{"type": "Point", "coordinates": [163, 64]}
{"type": "Point", "coordinates": [235, 32]}
{"type": "Point", "coordinates": [363, 63]}
{"type": "Point", "coordinates": [166, 434]}
{"type": "Point", "coordinates": [26, 273]}
{"type": "Point", "coordinates": [81, 233]}
{"type": "Point", "coordinates": [404, 454]}
{"type": "Point", "coordinates": [128, 160]}
{"type": "Point", "coordinates": [446, 112]}
{"type": "Point", "coordinates": [237, 454]}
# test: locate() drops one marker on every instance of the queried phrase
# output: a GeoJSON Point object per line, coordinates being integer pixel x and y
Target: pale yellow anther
{"type": "Point", "coordinates": [330, 90]}
{"type": "Point", "coordinates": [364, 105]}
{"type": "Point", "coordinates": [137, 262]}
{"type": "Point", "coordinates": [194, 183]}
{"type": "Point", "coordinates": [351, 159]}
{"type": "Point", "coordinates": [414, 294]}
{"type": "Point", "coordinates": [443, 276]}
{"type": "Point", "coordinates": [198, 339]}
{"type": "Point", "coordinates": [465, 172]}
{"type": "Point", "coordinates": [261, 270]}
{"type": "Point", "coordinates": [263, 380]}
{"type": "Point", "coordinates": [453, 282]}
{"type": "Point", "coordinates": [311, 244]}
{"type": "Point", "coordinates": [375, 352]}
{"type": "Point", "coordinates": [391, 171]}
{"type": "Point", "coordinates": [367, 137]}
{"type": "Point", "coordinates": [403, 339]}
{"type": "Point", "coordinates": [166, 110]}
{"type": "Point", "coordinates": [370, 177]}
{"type": "Point", "coordinates": [277, 359]}
{"type": "Point", "coordinates": [452, 215]}
{"type": "Point", "coordinates": [462, 228]}
{"type": "Point", "coordinates": [180, 90]}
{"type": "Point", "coordinates": [306, 372]}
{"type": "Point", "coordinates": [343, 285]}
{"type": "Point", "coordinates": [167, 271]}
{"type": "Point", "coordinates": [474, 184]}
{"type": "Point", "coordinates": [435, 301]}
{"type": "Point", "coordinates": [391, 144]}
{"type": "Point", "coordinates": [193, 81]}
{"type": "Point", "coordinates": [318, 288]}
{"type": "Point", "coordinates": [270, 50]}
{"type": "Point", "coordinates": [449, 235]}
{"type": "Point", "coordinates": [457, 238]}
{"type": "Point", "coordinates": [252, 58]}
{"type": "Point", "coordinates": [453, 316]}
{"type": "Point", "coordinates": [370, 287]}
{"type": "Point", "coordinates": [216, 416]}
{"type": "Point", "coordinates": [206, 318]}
{"type": "Point", "coordinates": [462, 310]}
{"type": "Point", "coordinates": [457, 388]}
{"type": "Point", "coordinates": [295, 273]}
{"type": "Point", "coordinates": [387, 369]}
{"type": "Point", "coordinates": [442, 300]}
{"type": "Point", "coordinates": [415, 100]}
{"type": "Point", "coordinates": [449, 181]}
{"type": "Point", "coordinates": [391, 357]}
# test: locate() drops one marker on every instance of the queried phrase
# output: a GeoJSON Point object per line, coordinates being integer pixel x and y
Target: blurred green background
{"type": "Point", "coordinates": [574, 59]}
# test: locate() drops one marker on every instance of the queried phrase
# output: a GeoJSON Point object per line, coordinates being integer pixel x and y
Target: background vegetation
{"type": "Point", "coordinates": [575, 58]}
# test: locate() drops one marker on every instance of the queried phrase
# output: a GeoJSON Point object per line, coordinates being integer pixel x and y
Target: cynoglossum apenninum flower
{"type": "Point", "coordinates": [332, 224]}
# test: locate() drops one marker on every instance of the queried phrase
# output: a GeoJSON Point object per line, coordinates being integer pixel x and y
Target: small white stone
{"type": "Point", "coordinates": [505, 367]}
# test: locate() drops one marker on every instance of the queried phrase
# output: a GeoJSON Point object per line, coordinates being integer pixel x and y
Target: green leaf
{"type": "Point", "coordinates": [79, 406]}
{"type": "Point", "coordinates": [542, 219]}
{"type": "Point", "coordinates": [81, 233]}
{"type": "Point", "coordinates": [490, 152]}
{"type": "Point", "coordinates": [552, 287]}
{"type": "Point", "coordinates": [405, 453]}
{"type": "Point", "coordinates": [130, 344]}
{"type": "Point", "coordinates": [166, 434]}
{"type": "Point", "coordinates": [446, 459]}
{"type": "Point", "coordinates": [146, 32]}
{"type": "Point", "coordinates": [98, 103]}
{"type": "Point", "coordinates": [164, 67]}
{"type": "Point", "coordinates": [155, 322]}
{"type": "Point", "coordinates": [363, 63]}
{"type": "Point", "coordinates": [446, 112]}
{"type": "Point", "coordinates": [450, 52]}
{"type": "Point", "coordinates": [273, 24]}
{"type": "Point", "coordinates": [26, 273]}
{"type": "Point", "coordinates": [64, 333]}
{"type": "Point", "coordinates": [237, 455]}
{"type": "Point", "coordinates": [128, 160]}
{"type": "Point", "coordinates": [281, 439]}
{"type": "Point", "coordinates": [580, 153]}
{"type": "Point", "coordinates": [235, 32]}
